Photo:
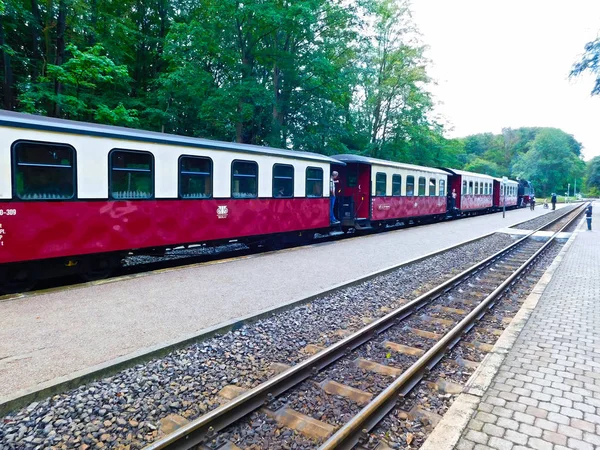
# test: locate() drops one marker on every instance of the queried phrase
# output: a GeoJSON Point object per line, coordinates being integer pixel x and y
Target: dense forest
{"type": "Point", "coordinates": [327, 76]}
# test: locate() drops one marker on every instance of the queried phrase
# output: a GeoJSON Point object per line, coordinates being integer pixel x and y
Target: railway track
{"type": "Point", "coordinates": [359, 379]}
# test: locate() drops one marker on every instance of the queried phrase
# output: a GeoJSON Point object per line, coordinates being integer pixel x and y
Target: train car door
{"type": "Point", "coordinates": [355, 186]}
{"type": "Point", "coordinates": [454, 182]}
{"type": "Point", "coordinates": [496, 200]}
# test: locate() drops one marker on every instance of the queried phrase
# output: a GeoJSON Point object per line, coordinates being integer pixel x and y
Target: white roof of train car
{"type": "Point", "coordinates": [348, 158]}
{"type": "Point", "coordinates": [30, 121]}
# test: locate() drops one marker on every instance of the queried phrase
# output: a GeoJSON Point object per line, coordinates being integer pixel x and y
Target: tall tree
{"type": "Point", "coordinates": [590, 62]}
{"type": "Point", "coordinates": [551, 163]}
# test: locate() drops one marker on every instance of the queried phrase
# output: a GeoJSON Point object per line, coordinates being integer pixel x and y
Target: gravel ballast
{"type": "Point", "coordinates": [126, 408]}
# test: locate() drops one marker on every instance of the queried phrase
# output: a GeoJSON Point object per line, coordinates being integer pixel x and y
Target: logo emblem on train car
{"type": "Point", "coordinates": [222, 212]}
{"type": "Point", "coordinates": [383, 207]}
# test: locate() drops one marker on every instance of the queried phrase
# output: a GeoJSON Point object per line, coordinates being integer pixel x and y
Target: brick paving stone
{"type": "Point", "coordinates": [500, 444]}
{"type": "Point", "coordinates": [546, 394]}
{"type": "Point", "coordinates": [546, 424]}
{"type": "Point", "coordinates": [579, 445]}
{"type": "Point", "coordinates": [530, 430]}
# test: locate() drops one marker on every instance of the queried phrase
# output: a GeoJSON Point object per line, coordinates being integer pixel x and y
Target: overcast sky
{"type": "Point", "coordinates": [505, 63]}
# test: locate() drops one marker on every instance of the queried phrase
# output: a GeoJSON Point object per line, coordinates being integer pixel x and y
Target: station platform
{"type": "Point", "coordinates": [545, 394]}
{"type": "Point", "coordinates": [53, 335]}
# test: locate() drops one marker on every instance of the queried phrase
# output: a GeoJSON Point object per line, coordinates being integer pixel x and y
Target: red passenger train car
{"type": "Point", "coordinates": [474, 191]}
{"type": "Point", "coordinates": [375, 193]}
{"type": "Point", "coordinates": [505, 195]}
{"type": "Point", "coordinates": [76, 197]}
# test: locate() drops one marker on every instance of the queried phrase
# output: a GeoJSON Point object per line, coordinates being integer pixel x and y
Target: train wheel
{"type": "Point", "coordinates": [99, 267]}
{"type": "Point", "coordinates": [19, 278]}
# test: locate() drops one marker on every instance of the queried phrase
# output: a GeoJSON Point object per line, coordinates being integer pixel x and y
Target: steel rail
{"type": "Point", "coordinates": [357, 428]}
{"type": "Point", "coordinates": [204, 428]}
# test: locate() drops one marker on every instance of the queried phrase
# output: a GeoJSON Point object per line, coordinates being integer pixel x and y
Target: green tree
{"type": "Point", "coordinates": [551, 163]}
{"type": "Point", "coordinates": [590, 62]}
{"type": "Point", "coordinates": [87, 78]}
{"type": "Point", "coordinates": [593, 174]}
{"type": "Point", "coordinates": [480, 165]}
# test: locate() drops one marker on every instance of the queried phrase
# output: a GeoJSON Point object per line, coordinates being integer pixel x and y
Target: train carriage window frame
{"type": "Point", "coordinates": [289, 179]}
{"type": "Point", "coordinates": [239, 176]}
{"type": "Point", "coordinates": [380, 179]}
{"type": "Point", "coordinates": [410, 181]}
{"type": "Point", "coordinates": [398, 177]}
{"type": "Point", "coordinates": [465, 189]}
{"type": "Point", "coordinates": [19, 182]}
{"type": "Point", "coordinates": [432, 192]}
{"type": "Point", "coordinates": [312, 182]}
{"type": "Point", "coordinates": [442, 188]}
{"type": "Point", "coordinates": [470, 187]}
{"type": "Point", "coordinates": [134, 195]}
{"type": "Point", "coordinates": [193, 174]}
{"type": "Point", "coordinates": [477, 188]}
{"type": "Point", "coordinates": [422, 186]}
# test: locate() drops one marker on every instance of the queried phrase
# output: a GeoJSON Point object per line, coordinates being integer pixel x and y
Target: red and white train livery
{"type": "Point", "coordinates": [75, 198]}
{"type": "Point", "coordinates": [81, 195]}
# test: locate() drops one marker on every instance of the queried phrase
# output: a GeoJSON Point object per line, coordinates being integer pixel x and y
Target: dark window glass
{"type": "Point", "coordinates": [442, 188]}
{"type": "Point", "coordinates": [380, 184]}
{"type": "Point", "coordinates": [410, 186]}
{"type": "Point", "coordinates": [314, 182]}
{"type": "Point", "coordinates": [244, 179]}
{"type": "Point", "coordinates": [44, 171]}
{"type": "Point", "coordinates": [396, 185]}
{"type": "Point", "coordinates": [464, 189]}
{"type": "Point", "coordinates": [470, 188]}
{"type": "Point", "coordinates": [422, 182]}
{"type": "Point", "coordinates": [352, 176]}
{"type": "Point", "coordinates": [283, 181]}
{"type": "Point", "coordinates": [131, 174]}
{"type": "Point", "coordinates": [432, 186]}
{"type": "Point", "coordinates": [195, 177]}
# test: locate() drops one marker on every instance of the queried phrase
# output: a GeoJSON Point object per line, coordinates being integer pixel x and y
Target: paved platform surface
{"type": "Point", "coordinates": [546, 394]}
{"type": "Point", "coordinates": [57, 334]}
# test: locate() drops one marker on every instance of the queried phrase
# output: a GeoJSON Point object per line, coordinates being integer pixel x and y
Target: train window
{"type": "Point", "coordinates": [314, 182]}
{"type": "Point", "coordinates": [380, 184]}
{"type": "Point", "coordinates": [486, 188]}
{"type": "Point", "coordinates": [396, 185]}
{"type": "Point", "coordinates": [131, 174]}
{"type": "Point", "coordinates": [432, 186]}
{"type": "Point", "coordinates": [478, 188]}
{"type": "Point", "coordinates": [283, 181]}
{"type": "Point", "coordinates": [244, 179]}
{"type": "Point", "coordinates": [43, 171]}
{"type": "Point", "coordinates": [442, 188]}
{"type": "Point", "coordinates": [422, 182]}
{"type": "Point", "coordinates": [352, 175]}
{"type": "Point", "coordinates": [470, 188]}
{"type": "Point", "coordinates": [410, 186]}
{"type": "Point", "coordinates": [464, 189]}
{"type": "Point", "coordinates": [195, 177]}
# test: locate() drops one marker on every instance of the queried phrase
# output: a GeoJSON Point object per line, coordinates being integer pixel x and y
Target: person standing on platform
{"type": "Point", "coordinates": [588, 217]}
{"type": "Point", "coordinates": [332, 182]}
{"type": "Point", "coordinates": [553, 200]}
{"type": "Point", "coordinates": [532, 203]}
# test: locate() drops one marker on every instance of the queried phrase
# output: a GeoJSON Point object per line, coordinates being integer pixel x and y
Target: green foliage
{"type": "Point", "coordinates": [85, 80]}
{"type": "Point", "coordinates": [590, 62]}
{"type": "Point", "coordinates": [593, 174]}
{"type": "Point", "coordinates": [480, 165]}
{"type": "Point", "coordinates": [550, 163]}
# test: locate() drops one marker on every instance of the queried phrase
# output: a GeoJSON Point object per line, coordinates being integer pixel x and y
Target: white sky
{"type": "Point", "coordinates": [505, 63]}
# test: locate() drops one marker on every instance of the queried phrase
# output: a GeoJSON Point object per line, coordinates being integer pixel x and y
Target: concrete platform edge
{"type": "Point", "coordinates": [62, 384]}
{"type": "Point", "coordinates": [447, 433]}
